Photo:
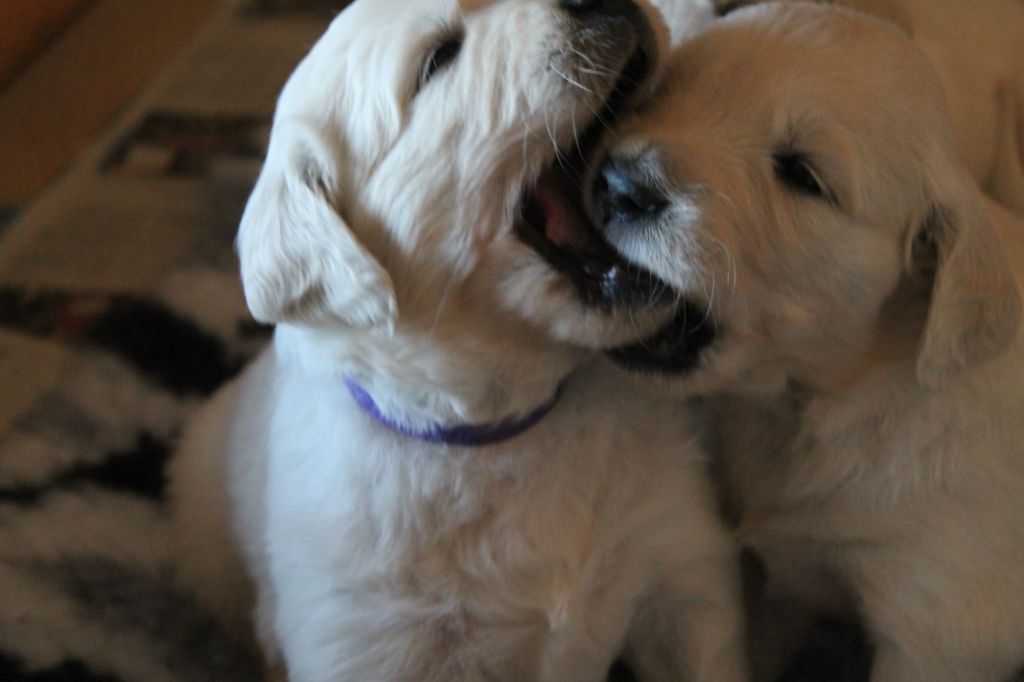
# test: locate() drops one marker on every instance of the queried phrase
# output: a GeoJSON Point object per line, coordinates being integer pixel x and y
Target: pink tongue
{"type": "Point", "coordinates": [564, 223]}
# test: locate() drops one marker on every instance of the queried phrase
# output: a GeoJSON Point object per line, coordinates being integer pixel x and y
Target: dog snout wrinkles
{"type": "Point", "coordinates": [624, 197]}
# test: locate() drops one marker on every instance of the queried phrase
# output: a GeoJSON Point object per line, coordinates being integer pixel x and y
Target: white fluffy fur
{"type": "Point", "coordinates": [869, 365]}
{"type": "Point", "coordinates": [379, 238]}
{"type": "Point", "coordinates": [684, 17]}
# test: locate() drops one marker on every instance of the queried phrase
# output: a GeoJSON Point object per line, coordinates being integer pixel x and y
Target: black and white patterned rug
{"type": "Point", "coordinates": [120, 311]}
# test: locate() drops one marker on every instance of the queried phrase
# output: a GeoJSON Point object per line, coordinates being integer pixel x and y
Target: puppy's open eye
{"type": "Point", "coordinates": [440, 57]}
{"type": "Point", "coordinates": [795, 172]}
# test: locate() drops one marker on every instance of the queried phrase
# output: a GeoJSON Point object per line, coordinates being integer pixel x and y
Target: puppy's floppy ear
{"type": "Point", "coordinates": [976, 306]}
{"type": "Point", "coordinates": [300, 261]}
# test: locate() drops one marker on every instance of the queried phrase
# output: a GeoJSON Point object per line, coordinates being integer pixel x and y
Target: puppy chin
{"type": "Point", "coordinates": [548, 300]}
{"type": "Point", "coordinates": [585, 326]}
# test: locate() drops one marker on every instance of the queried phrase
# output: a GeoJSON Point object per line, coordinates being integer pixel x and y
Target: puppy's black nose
{"type": "Point", "coordinates": [624, 196]}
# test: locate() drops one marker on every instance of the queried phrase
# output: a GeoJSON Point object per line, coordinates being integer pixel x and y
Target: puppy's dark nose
{"type": "Point", "coordinates": [624, 196]}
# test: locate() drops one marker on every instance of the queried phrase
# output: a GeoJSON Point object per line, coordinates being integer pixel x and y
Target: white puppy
{"type": "Point", "coordinates": [977, 48]}
{"type": "Point", "coordinates": [426, 479]}
{"type": "Point", "coordinates": [797, 180]}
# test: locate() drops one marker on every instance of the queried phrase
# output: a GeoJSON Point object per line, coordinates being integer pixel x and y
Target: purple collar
{"type": "Point", "coordinates": [471, 435]}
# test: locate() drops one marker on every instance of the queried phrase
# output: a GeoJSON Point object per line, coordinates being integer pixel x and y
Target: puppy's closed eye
{"type": "Point", "coordinates": [440, 57]}
{"type": "Point", "coordinates": [794, 171]}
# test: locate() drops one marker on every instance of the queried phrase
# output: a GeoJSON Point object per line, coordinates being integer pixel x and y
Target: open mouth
{"type": "Point", "coordinates": [554, 224]}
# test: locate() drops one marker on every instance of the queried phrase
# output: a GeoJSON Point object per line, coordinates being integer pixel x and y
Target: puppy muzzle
{"type": "Point", "coordinates": [624, 197]}
{"type": "Point", "coordinates": [627, 202]}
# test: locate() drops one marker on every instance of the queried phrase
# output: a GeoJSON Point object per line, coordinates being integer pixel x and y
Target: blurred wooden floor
{"type": "Point", "coordinates": [28, 26]}
{"type": "Point", "coordinates": [73, 85]}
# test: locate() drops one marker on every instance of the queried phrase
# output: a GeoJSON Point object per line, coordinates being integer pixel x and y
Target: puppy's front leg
{"type": "Point", "coordinates": [915, 658]}
{"type": "Point", "coordinates": [944, 629]}
{"type": "Point", "coordinates": [692, 628]}
{"type": "Point", "coordinates": [894, 664]}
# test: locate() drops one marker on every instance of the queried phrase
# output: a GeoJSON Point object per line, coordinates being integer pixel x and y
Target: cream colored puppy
{"type": "Point", "coordinates": [977, 48]}
{"type": "Point", "coordinates": [797, 182]}
{"type": "Point", "coordinates": [426, 479]}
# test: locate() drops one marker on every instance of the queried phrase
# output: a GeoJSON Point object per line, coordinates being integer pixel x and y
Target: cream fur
{"type": "Point", "coordinates": [977, 48]}
{"type": "Point", "coordinates": [869, 369]}
{"type": "Point", "coordinates": [379, 239]}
